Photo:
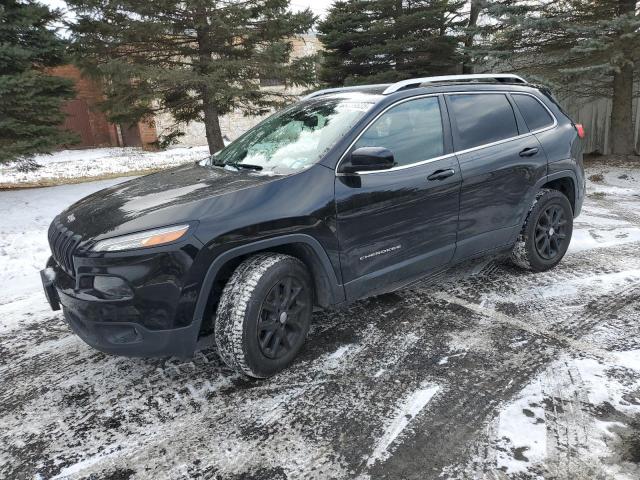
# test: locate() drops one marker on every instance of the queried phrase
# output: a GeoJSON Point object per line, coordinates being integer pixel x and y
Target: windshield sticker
{"type": "Point", "coordinates": [359, 106]}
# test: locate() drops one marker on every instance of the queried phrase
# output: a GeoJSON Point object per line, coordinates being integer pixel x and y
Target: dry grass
{"type": "Point", "coordinates": [592, 160]}
{"type": "Point", "coordinates": [597, 195]}
{"type": "Point", "coordinates": [597, 178]}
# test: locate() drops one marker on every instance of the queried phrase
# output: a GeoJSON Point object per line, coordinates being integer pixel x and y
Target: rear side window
{"type": "Point", "coordinates": [482, 118]}
{"type": "Point", "coordinates": [535, 115]}
{"type": "Point", "coordinates": [411, 130]}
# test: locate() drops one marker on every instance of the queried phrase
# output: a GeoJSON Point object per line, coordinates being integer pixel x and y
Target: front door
{"type": "Point", "coordinates": [397, 225]}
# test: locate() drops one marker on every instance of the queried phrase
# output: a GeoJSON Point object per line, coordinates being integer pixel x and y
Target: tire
{"type": "Point", "coordinates": [546, 233]}
{"type": "Point", "coordinates": [264, 314]}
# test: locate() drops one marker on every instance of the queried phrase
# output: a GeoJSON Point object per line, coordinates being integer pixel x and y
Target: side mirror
{"type": "Point", "coordinates": [367, 159]}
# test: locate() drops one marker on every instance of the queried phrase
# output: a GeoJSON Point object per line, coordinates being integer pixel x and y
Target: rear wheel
{"type": "Point", "coordinates": [546, 233]}
{"type": "Point", "coordinates": [264, 314]}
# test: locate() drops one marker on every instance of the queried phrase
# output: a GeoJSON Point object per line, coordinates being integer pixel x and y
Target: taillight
{"type": "Point", "coordinates": [580, 130]}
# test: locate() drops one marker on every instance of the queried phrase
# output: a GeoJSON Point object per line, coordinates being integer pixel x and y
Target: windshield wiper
{"type": "Point", "coordinates": [248, 166]}
{"type": "Point", "coordinates": [214, 162]}
{"type": "Point", "coordinates": [221, 163]}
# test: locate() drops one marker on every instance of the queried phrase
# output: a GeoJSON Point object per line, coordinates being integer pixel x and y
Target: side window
{"type": "Point", "coordinates": [482, 118]}
{"type": "Point", "coordinates": [411, 130]}
{"type": "Point", "coordinates": [535, 115]}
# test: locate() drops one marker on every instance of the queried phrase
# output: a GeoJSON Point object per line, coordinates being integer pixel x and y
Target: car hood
{"type": "Point", "coordinates": [165, 198]}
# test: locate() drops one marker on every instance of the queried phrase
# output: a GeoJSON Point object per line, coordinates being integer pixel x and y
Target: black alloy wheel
{"type": "Point", "coordinates": [550, 232]}
{"type": "Point", "coordinates": [264, 314]}
{"type": "Point", "coordinates": [280, 325]}
{"type": "Point", "coordinates": [546, 234]}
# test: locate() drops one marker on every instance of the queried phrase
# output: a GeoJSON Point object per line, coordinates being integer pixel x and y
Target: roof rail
{"type": "Point", "coordinates": [415, 82]}
{"type": "Point", "coordinates": [326, 91]}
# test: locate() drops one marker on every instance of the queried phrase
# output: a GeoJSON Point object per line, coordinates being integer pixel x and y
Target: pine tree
{"type": "Point", "coordinates": [588, 48]}
{"type": "Point", "coordinates": [370, 41]}
{"type": "Point", "coordinates": [475, 8]}
{"type": "Point", "coordinates": [196, 59]}
{"type": "Point", "coordinates": [30, 100]}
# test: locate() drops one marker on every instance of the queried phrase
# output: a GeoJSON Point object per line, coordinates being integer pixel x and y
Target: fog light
{"type": "Point", "coordinates": [121, 334]}
{"type": "Point", "coordinates": [111, 286]}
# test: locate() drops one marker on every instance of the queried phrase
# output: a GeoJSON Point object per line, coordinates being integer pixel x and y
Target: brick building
{"type": "Point", "coordinates": [91, 124]}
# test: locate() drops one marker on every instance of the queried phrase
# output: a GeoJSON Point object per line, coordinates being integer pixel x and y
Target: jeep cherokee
{"type": "Point", "coordinates": [349, 193]}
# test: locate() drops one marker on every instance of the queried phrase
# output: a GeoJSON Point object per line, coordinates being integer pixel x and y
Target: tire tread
{"type": "Point", "coordinates": [520, 253]}
{"type": "Point", "coordinates": [234, 303]}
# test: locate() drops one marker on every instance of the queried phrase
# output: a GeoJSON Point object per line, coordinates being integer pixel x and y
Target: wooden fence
{"type": "Point", "coordinates": [595, 115]}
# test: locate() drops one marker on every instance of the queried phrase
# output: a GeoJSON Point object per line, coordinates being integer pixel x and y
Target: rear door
{"type": "Point", "coordinates": [500, 161]}
{"type": "Point", "coordinates": [398, 225]}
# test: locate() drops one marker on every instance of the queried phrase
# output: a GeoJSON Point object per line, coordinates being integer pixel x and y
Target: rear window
{"type": "Point", "coordinates": [535, 115]}
{"type": "Point", "coordinates": [482, 118]}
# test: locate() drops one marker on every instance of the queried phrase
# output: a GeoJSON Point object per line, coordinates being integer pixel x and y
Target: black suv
{"type": "Point", "coordinates": [349, 193]}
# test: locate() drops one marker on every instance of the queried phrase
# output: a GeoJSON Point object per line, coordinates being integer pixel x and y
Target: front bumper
{"type": "Point", "coordinates": [48, 276]}
{"type": "Point", "coordinates": [150, 318]}
{"type": "Point", "coordinates": [127, 338]}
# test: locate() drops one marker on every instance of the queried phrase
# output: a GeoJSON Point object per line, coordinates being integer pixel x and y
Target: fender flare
{"type": "Point", "coordinates": [562, 174]}
{"type": "Point", "coordinates": [555, 176]}
{"type": "Point", "coordinates": [336, 292]}
{"type": "Point", "coordinates": [538, 185]}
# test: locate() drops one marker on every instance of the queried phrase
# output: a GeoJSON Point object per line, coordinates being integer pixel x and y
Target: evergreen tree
{"type": "Point", "coordinates": [581, 47]}
{"type": "Point", "coordinates": [475, 8]}
{"type": "Point", "coordinates": [370, 41]}
{"type": "Point", "coordinates": [196, 59]}
{"type": "Point", "coordinates": [30, 100]}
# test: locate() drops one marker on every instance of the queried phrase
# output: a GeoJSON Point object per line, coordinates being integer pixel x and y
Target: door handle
{"type": "Point", "coordinates": [529, 152]}
{"type": "Point", "coordinates": [441, 174]}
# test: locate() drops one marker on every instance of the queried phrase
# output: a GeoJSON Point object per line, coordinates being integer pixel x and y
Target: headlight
{"type": "Point", "coordinates": [149, 238]}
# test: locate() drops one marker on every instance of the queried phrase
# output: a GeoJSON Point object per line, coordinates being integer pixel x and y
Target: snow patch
{"type": "Point", "coordinates": [587, 239]}
{"type": "Point", "coordinates": [602, 283]}
{"type": "Point", "coordinates": [97, 162]}
{"type": "Point", "coordinates": [522, 431]}
{"type": "Point", "coordinates": [87, 463]}
{"type": "Point", "coordinates": [520, 439]}
{"type": "Point", "coordinates": [406, 411]}
{"type": "Point", "coordinates": [339, 353]}
{"type": "Point", "coordinates": [445, 360]}
{"type": "Point", "coordinates": [334, 361]}
{"type": "Point", "coordinates": [629, 359]}
{"type": "Point", "coordinates": [592, 219]}
{"type": "Point", "coordinates": [24, 247]}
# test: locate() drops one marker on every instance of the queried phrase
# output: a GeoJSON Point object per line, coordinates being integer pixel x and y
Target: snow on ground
{"type": "Point", "coordinates": [98, 162]}
{"type": "Point", "coordinates": [406, 411]}
{"type": "Point", "coordinates": [506, 374]}
{"type": "Point", "coordinates": [26, 216]}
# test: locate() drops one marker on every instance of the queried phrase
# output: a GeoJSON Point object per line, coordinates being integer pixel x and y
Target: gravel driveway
{"type": "Point", "coordinates": [503, 375]}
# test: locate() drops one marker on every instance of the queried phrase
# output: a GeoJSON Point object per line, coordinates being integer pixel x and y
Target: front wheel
{"type": "Point", "coordinates": [264, 314]}
{"type": "Point", "coordinates": [546, 234]}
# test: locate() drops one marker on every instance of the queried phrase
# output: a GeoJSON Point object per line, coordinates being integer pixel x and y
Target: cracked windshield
{"type": "Point", "coordinates": [294, 139]}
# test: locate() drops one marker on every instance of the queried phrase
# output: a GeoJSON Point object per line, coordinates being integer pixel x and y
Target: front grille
{"type": "Point", "coordinates": [63, 243]}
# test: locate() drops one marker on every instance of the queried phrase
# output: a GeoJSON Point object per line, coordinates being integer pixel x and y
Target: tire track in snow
{"type": "Point", "coordinates": [550, 335]}
{"type": "Point", "coordinates": [568, 430]}
{"type": "Point", "coordinates": [506, 279]}
{"type": "Point", "coordinates": [325, 416]}
{"type": "Point", "coordinates": [459, 421]}
{"type": "Point", "coordinates": [333, 387]}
